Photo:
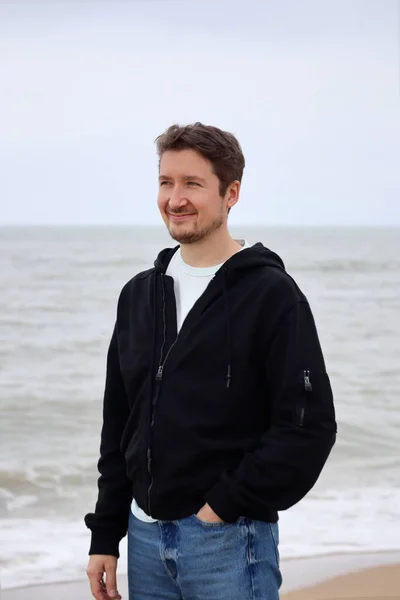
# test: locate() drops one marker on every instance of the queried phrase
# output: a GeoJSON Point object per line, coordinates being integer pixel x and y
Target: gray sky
{"type": "Point", "coordinates": [311, 89]}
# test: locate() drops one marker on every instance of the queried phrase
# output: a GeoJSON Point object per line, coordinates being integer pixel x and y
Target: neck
{"type": "Point", "coordinates": [212, 250]}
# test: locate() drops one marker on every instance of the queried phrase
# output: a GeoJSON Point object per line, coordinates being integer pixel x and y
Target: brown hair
{"type": "Point", "coordinates": [221, 148]}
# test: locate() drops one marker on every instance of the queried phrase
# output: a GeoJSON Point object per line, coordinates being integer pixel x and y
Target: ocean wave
{"type": "Point", "coordinates": [45, 488]}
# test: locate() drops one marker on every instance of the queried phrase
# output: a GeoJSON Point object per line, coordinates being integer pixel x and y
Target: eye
{"type": "Point", "coordinates": [193, 183]}
{"type": "Point", "coordinates": [164, 183]}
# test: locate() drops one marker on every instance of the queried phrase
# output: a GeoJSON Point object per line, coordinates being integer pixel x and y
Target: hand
{"type": "Point", "coordinates": [98, 566]}
{"type": "Point", "coordinates": [207, 514]}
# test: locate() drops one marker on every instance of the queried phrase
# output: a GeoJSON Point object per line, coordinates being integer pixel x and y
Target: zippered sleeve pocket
{"type": "Point", "coordinates": [306, 388]}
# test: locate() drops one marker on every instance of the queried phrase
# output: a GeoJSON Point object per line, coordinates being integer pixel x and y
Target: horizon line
{"type": "Point", "coordinates": [233, 226]}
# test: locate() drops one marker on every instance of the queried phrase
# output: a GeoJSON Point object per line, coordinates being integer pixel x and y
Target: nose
{"type": "Point", "coordinates": [177, 199]}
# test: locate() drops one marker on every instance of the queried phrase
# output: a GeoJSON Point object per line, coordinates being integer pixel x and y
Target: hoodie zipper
{"type": "Point", "coordinates": [307, 389]}
{"type": "Point", "coordinates": [159, 377]}
{"type": "Point", "coordinates": [158, 380]}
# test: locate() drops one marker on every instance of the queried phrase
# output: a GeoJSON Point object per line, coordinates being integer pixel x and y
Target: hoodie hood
{"type": "Point", "coordinates": [249, 258]}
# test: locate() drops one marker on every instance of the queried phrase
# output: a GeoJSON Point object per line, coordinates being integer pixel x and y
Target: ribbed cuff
{"type": "Point", "coordinates": [222, 504]}
{"type": "Point", "coordinates": [104, 541]}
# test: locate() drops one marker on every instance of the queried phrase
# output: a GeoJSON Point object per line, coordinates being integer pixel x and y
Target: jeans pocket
{"type": "Point", "coordinates": [215, 524]}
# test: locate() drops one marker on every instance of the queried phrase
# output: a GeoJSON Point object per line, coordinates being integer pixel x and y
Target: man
{"type": "Point", "coordinates": [218, 410]}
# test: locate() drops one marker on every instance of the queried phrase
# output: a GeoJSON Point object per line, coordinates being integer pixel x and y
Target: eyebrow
{"type": "Point", "coordinates": [185, 178]}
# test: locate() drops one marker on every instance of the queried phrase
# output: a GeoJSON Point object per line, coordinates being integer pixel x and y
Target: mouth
{"type": "Point", "coordinates": [180, 218]}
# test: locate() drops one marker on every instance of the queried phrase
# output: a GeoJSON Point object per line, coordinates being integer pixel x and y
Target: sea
{"type": "Point", "coordinates": [58, 294]}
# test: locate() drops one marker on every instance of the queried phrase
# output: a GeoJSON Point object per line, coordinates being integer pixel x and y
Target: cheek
{"type": "Point", "coordinates": [210, 209]}
{"type": "Point", "coordinates": [162, 201]}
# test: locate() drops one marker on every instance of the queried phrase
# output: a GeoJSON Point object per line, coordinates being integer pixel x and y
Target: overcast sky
{"type": "Point", "coordinates": [311, 89]}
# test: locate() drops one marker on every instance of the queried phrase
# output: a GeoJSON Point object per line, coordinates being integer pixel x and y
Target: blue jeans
{"type": "Point", "coordinates": [189, 559]}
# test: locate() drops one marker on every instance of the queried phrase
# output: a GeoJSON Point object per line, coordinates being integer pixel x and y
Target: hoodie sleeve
{"type": "Point", "coordinates": [291, 454]}
{"type": "Point", "coordinates": [109, 522]}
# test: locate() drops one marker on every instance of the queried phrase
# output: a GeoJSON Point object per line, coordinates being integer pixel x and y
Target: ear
{"type": "Point", "coordinates": [232, 194]}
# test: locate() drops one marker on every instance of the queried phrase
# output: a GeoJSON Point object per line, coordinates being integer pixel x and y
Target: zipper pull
{"type": "Point", "coordinates": [228, 376]}
{"type": "Point", "coordinates": [307, 382]}
{"type": "Point", "coordinates": [159, 373]}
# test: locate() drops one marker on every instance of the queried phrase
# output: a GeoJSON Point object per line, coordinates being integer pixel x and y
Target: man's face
{"type": "Point", "coordinates": [188, 196]}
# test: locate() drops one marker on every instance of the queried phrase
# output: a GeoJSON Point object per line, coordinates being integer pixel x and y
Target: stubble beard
{"type": "Point", "coordinates": [193, 234]}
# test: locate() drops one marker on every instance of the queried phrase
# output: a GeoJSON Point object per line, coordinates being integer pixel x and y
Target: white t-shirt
{"type": "Point", "coordinates": [189, 284]}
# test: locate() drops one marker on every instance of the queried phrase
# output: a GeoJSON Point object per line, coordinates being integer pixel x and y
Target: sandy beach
{"type": "Point", "coordinates": [376, 583]}
{"type": "Point", "coordinates": [334, 577]}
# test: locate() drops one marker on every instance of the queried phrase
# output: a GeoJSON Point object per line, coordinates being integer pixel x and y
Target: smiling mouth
{"type": "Point", "coordinates": [180, 217]}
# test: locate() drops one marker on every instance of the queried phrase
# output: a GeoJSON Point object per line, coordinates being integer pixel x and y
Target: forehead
{"type": "Point", "coordinates": [180, 163]}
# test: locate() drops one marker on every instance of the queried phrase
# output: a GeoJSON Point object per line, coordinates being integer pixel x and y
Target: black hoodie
{"type": "Point", "coordinates": [236, 410]}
